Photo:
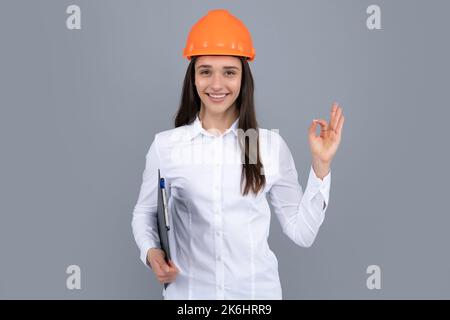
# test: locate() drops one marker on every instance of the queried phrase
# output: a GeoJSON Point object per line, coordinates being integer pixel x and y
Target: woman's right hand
{"type": "Point", "coordinates": [165, 272]}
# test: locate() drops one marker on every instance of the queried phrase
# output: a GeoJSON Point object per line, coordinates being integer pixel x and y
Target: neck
{"type": "Point", "coordinates": [218, 121]}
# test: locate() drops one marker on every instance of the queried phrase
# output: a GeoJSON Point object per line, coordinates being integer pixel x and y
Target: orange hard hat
{"type": "Point", "coordinates": [219, 33]}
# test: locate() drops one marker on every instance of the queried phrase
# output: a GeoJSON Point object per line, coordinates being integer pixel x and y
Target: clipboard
{"type": "Point", "coordinates": [163, 218]}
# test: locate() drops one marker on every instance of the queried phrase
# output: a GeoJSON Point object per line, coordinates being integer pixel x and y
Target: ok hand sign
{"type": "Point", "coordinates": [324, 146]}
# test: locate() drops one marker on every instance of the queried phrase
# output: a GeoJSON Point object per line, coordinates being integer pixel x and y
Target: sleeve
{"type": "Point", "coordinates": [300, 213]}
{"type": "Point", "coordinates": [144, 221]}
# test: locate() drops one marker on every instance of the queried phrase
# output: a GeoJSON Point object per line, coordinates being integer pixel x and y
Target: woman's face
{"type": "Point", "coordinates": [218, 82]}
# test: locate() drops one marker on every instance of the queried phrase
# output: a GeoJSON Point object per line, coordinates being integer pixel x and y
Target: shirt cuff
{"type": "Point", "coordinates": [316, 185]}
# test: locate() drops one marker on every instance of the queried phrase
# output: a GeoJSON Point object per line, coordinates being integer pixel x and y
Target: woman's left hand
{"type": "Point", "coordinates": [324, 146]}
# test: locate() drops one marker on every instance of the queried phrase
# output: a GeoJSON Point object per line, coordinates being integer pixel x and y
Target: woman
{"type": "Point", "coordinates": [219, 167]}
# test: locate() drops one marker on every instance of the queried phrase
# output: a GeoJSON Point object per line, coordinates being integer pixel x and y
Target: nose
{"type": "Point", "coordinates": [216, 82]}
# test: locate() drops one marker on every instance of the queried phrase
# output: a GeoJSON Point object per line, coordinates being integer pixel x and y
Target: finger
{"type": "Point", "coordinates": [162, 281]}
{"type": "Point", "coordinates": [162, 274]}
{"type": "Point", "coordinates": [157, 269]}
{"type": "Point", "coordinates": [334, 121]}
{"type": "Point", "coordinates": [171, 277]}
{"type": "Point", "coordinates": [313, 128]}
{"type": "Point", "coordinates": [172, 273]}
{"type": "Point", "coordinates": [173, 266]}
{"type": "Point", "coordinates": [162, 262]}
{"type": "Point", "coordinates": [166, 279]}
{"type": "Point", "coordinates": [162, 265]}
{"type": "Point", "coordinates": [333, 109]}
{"type": "Point", "coordinates": [340, 125]}
{"type": "Point", "coordinates": [323, 125]}
{"type": "Point", "coordinates": [165, 267]}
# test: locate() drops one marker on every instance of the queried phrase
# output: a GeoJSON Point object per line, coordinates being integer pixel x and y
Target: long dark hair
{"type": "Point", "coordinates": [252, 173]}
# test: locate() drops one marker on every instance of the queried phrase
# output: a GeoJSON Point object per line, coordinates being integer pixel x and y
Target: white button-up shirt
{"type": "Point", "coordinates": [218, 237]}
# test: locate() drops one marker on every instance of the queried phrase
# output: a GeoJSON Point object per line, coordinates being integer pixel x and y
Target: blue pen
{"type": "Point", "coordinates": [166, 212]}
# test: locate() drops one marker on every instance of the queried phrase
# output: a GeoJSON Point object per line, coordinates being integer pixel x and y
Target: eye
{"type": "Point", "coordinates": [204, 72]}
{"type": "Point", "coordinates": [230, 73]}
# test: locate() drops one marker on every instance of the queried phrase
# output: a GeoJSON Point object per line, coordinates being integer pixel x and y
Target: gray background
{"type": "Point", "coordinates": [79, 109]}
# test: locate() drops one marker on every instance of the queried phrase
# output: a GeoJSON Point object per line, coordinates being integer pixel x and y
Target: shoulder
{"type": "Point", "coordinates": [273, 150]}
{"type": "Point", "coordinates": [267, 134]}
{"type": "Point", "coordinates": [271, 138]}
{"type": "Point", "coordinates": [173, 135]}
{"type": "Point", "coordinates": [166, 141]}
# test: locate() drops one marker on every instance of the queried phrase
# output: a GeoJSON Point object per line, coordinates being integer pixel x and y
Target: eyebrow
{"type": "Point", "coordinates": [209, 66]}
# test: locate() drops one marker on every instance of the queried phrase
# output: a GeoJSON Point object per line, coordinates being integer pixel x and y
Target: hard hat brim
{"type": "Point", "coordinates": [221, 52]}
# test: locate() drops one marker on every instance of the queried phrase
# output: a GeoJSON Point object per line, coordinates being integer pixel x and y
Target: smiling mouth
{"type": "Point", "coordinates": [217, 97]}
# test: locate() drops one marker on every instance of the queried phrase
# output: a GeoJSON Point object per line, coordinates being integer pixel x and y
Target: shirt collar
{"type": "Point", "coordinates": [197, 128]}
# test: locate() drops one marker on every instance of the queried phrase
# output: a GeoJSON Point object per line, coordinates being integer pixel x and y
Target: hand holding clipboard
{"type": "Point", "coordinates": [163, 220]}
{"type": "Point", "coordinates": [159, 257]}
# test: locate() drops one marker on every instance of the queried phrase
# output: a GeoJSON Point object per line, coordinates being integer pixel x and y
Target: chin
{"type": "Point", "coordinates": [216, 109]}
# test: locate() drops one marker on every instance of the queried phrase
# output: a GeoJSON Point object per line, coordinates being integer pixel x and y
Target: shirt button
{"type": "Point", "coordinates": [217, 233]}
{"type": "Point", "coordinates": [218, 258]}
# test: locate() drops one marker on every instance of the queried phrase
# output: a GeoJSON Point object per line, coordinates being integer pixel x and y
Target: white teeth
{"type": "Point", "coordinates": [217, 96]}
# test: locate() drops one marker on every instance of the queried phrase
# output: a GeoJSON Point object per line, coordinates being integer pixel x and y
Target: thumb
{"type": "Point", "coordinates": [172, 265]}
{"type": "Point", "coordinates": [165, 266]}
{"type": "Point", "coordinates": [312, 128]}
